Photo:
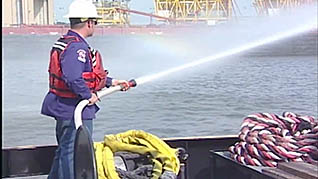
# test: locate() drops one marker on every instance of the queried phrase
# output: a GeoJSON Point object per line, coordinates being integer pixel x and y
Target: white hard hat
{"type": "Point", "coordinates": [82, 9]}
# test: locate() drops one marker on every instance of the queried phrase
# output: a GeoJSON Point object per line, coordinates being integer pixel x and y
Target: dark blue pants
{"type": "Point", "coordinates": [63, 164]}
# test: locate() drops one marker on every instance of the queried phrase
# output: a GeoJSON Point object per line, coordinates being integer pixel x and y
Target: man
{"type": "Point", "coordinates": [76, 73]}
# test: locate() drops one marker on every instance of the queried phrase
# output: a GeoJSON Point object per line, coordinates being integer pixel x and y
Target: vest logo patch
{"type": "Point", "coordinates": [81, 55]}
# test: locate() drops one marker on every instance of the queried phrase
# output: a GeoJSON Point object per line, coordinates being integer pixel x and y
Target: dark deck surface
{"type": "Point", "coordinates": [293, 170]}
{"type": "Point", "coordinates": [222, 163]}
{"type": "Point", "coordinates": [208, 158]}
{"type": "Point", "coordinates": [37, 160]}
{"type": "Point", "coordinates": [223, 166]}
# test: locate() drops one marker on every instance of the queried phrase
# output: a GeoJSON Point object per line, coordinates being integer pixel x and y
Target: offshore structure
{"type": "Point", "coordinates": [195, 11]}
{"type": "Point", "coordinates": [111, 13]}
{"type": "Point", "coordinates": [270, 7]}
{"type": "Point", "coordinates": [210, 12]}
{"type": "Point", "coordinates": [37, 16]}
{"type": "Point", "coordinates": [116, 12]}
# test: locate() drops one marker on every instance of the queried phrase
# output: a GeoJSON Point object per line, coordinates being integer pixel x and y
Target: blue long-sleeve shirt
{"type": "Point", "coordinates": [74, 61]}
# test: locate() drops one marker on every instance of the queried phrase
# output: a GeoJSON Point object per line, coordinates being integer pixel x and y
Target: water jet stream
{"type": "Point", "coordinates": [311, 25]}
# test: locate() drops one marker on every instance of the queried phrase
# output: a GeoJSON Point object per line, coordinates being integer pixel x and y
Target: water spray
{"type": "Point", "coordinates": [248, 46]}
{"type": "Point", "coordinates": [294, 23]}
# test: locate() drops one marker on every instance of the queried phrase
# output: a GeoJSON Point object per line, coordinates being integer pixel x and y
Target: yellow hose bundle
{"type": "Point", "coordinates": [163, 156]}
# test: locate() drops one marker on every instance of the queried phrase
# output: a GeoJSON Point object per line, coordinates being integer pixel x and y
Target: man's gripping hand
{"type": "Point", "coordinates": [93, 99]}
{"type": "Point", "coordinates": [125, 84]}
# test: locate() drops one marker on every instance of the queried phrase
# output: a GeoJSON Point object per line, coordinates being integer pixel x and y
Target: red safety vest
{"type": "Point", "coordinates": [95, 80]}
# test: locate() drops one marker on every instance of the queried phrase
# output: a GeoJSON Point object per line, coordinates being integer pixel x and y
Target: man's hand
{"type": "Point", "coordinates": [125, 84]}
{"type": "Point", "coordinates": [93, 99]}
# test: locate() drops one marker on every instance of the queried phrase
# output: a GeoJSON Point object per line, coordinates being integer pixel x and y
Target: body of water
{"type": "Point", "coordinates": [211, 99]}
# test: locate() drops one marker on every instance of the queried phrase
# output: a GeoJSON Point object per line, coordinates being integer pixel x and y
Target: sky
{"type": "Point", "coordinates": [61, 8]}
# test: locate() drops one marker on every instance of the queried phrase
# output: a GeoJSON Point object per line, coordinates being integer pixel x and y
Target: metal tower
{"type": "Point", "coordinates": [209, 11]}
{"type": "Point", "coordinates": [111, 15]}
{"type": "Point", "coordinates": [270, 7]}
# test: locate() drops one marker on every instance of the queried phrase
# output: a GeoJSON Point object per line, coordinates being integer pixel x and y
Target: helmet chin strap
{"type": "Point", "coordinates": [90, 29]}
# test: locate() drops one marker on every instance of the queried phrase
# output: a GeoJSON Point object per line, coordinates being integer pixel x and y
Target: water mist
{"type": "Point", "coordinates": [244, 36]}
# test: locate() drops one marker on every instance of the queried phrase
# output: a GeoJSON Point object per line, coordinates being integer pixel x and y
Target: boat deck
{"type": "Point", "coordinates": [208, 159]}
{"type": "Point", "coordinates": [222, 163]}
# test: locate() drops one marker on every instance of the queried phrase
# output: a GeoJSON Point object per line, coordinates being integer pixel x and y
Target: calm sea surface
{"type": "Point", "coordinates": [210, 99]}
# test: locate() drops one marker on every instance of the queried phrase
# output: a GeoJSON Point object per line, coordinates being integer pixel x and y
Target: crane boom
{"type": "Point", "coordinates": [146, 14]}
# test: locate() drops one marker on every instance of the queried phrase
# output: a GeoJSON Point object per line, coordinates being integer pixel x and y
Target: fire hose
{"type": "Point", "coordinates": [103, 92]}
{"type": "Point", "coordinates": [84, 156]}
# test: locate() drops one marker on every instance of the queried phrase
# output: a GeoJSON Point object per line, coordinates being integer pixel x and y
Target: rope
{"type": "Point", "coordinates": [266, 139]}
